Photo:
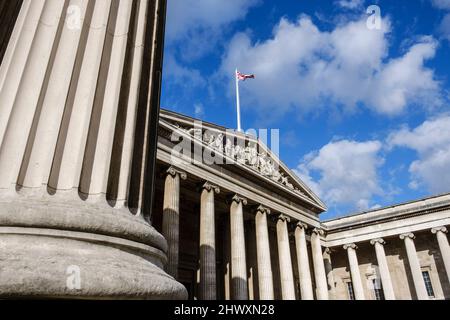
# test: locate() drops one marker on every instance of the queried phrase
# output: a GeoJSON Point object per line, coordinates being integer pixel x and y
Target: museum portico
{"type": "Point", "coordinates": [79, 134]}
{"type": "Point", "coordinates": [238, 231]}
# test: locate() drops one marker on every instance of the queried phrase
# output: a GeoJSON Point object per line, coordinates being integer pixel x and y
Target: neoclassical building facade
{"type": "Point", "coordinates": [103, 197]}
{"type": "Point", "coordinates": [241, 228]}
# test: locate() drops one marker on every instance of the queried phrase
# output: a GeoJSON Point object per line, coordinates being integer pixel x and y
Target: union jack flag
{"type": "Point", "coordinates": [243, 77]}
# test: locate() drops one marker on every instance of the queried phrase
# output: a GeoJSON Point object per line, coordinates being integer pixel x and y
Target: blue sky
{"type": "Point", "coordinates": [363, 112]}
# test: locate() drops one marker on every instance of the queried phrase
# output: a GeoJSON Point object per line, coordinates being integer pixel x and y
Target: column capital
{"type": "Point", "coordinates": [283, 217]}
{"type": "Point", "coordinates": [378, 240]}
{"type": "Point", "coordinates": [208, 186]}
{"type": "Point", "coordinates": [350, 246]}
{"type": "Point", "coordinates": [318, 231]}
{"type": "Point", "coordinates": [262, 209]}
{"type": "Point", "coordinates": [327, 250]}
{"type": "Point", "coordinates": [439, 229]}
{"type": "Point", "coordinates": [301, 225]}
{"type": "Point", "coordinates": [239, 199]}
{"type": "Point", "coordinates": [172, 171]}
{"type": "Point", "coordinates": [407, 235]}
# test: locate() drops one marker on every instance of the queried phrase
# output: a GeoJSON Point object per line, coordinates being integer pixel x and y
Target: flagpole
{"type": "Point", "coordinates": [238, 103]}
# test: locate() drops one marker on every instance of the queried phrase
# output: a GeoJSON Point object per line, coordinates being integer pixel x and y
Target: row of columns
{"type": "Point", "coordinates": [413, 261]}
{"type": "Point", "coordinates": [239, 287]}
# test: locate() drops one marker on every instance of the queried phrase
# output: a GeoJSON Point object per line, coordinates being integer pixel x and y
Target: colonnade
{"type": "Point", "coordinates": [239, 281]}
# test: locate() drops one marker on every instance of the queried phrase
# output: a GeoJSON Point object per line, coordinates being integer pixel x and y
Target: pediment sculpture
{"type": "Point", "coordinates": [245, 154]}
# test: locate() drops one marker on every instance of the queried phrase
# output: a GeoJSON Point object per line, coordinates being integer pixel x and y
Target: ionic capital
{"type": "Point", "coordinates": [172, 171]}
{"type": "Point", "coordinates": [407, 235]}
{"type": "Point", "coordinates": [263, 210]}
{"type": "Point", "coordinates": [318, 231]}
{"type": "Point", "coordinates": [379, 240]}
{"type": "Point", "coordinates": [350, 246]}
{"type": "Point", "coordinates": [301, 225]}
{"type": "Point", "coordinates": [439, 229]}
{"type": "Point", "coordinates": [284, 218]}
{"type": "Point", "coordinates": [327, 250]}
{"type": "Point", "coordinates": [210, 187]}
{"type": "Point", "coordinates": [238, 199]}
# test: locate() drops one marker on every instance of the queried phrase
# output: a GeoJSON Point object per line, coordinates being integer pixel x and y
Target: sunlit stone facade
{"type": "Point", "coordinates": [79, 137]}
{"type": "Point", "coordinates": [272, 228]}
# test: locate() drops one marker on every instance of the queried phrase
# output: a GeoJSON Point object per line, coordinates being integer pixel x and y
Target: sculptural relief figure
{"type": "Point", "coordinates": [269, 168]}
{"type": "Point", "coordinates": [276, 176]}
{"type": "Point", "coordinates": [285, 181]}
{"type": "Point", "coordinates": [209, 139]}
{"type": "Point", "coordinates": [240, 154]}
{"type": "Point", "coordinates": [218, 143]}
{"type": "Point", "coordinates": [262, 163]}
{"type": "Point", "coordinates": [252, 156]}
{"type": "Point", "coordinates": [229, 149]}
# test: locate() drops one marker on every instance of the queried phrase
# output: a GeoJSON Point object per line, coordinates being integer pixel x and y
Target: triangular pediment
{"type": "Point", "coordinates": [242, 150]}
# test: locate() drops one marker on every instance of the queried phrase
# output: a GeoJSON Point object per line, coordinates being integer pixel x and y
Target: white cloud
{"type": "Point", "coordinates": [351, 4]}
{"type": "Point", "coordinates": [301, 67]}
{"type": "Point", "coordinates": [199, 24]}
{"type": "Point", "coordinates": [431, 140]}
{"type": "Point", "coordinates": [441, 4]}
{"type": "Point", "coordinates": [347, 172]}
{"type": "Point", "coordinates": [182, 75]}
{"type": "Point", "coordinates": [444, 27]}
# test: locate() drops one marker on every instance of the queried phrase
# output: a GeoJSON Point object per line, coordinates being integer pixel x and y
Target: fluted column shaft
{"type": "Point", "coordinates": [284, 256]}
{"type": "Point", "coordinates": [134, 74]}
{"type": "Point", "coordinates": [208, 289]}
{"type": "Point", "coordinates": [306, 288]}
{"type": "Point", "coordinates": [329, 273]}
{"type": "Point", "coordinates": [354, 271]}
{"type": "Point", "coordinates": [441, 235]}
{"type": "Point", "coordinates": [171, 218]}
{"type": "Point", "coordinates": [239, 287]}
{"type": "Point", "coordinates": [42, 150]}
{"type": "Point", "coordinates": [319, 267]}
{"type": "Point", "coordinates": [28, 93]}
{"type": "Point", "coordinates": [13, 42]}
{"type": "Point", "coordinates": [11, 72]}
{"type": "Point", "coordinates": [384, 269]}
{"type": "Point", "coordinates": [104, 113]}
{"type": "Point", "coordinates": [414, 265]}
{"type": "Point", "coordinates": [76, 134]}
{"type": "Point", "coordinates": [265, 274]}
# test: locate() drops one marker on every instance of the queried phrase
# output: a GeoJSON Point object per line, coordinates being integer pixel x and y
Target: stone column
{"type": "Point", "coordinates": [354, 271]}
{"type": "Point", "coordinates": [329, 273]}
{"type": "Point", "coordinates": [319, 267]}
{"type": "Point", "coordinates": [284, 256]}
{"type": "Point", "coordinates": [265, 275]}
{"type": "Point", "coordinates": [171, 218]}
{"type": "Point", "coordinates": [64, 81]}
{"type": "Point", "coordinates": [239, 285]}
{"type": "Point", "coordinates": [384, 269]}
{"type": "Point", "coordinates": [303, 262]}
{"type": "Point", "coordinates": [414, 265]}
{"type": "Point", "coordinates": [441, 235]}
{"type": "Point", "coordinates": [208, 243]}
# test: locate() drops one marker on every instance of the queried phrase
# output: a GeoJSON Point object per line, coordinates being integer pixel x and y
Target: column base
{"type": "Point", "coordinates": [77, 250]}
